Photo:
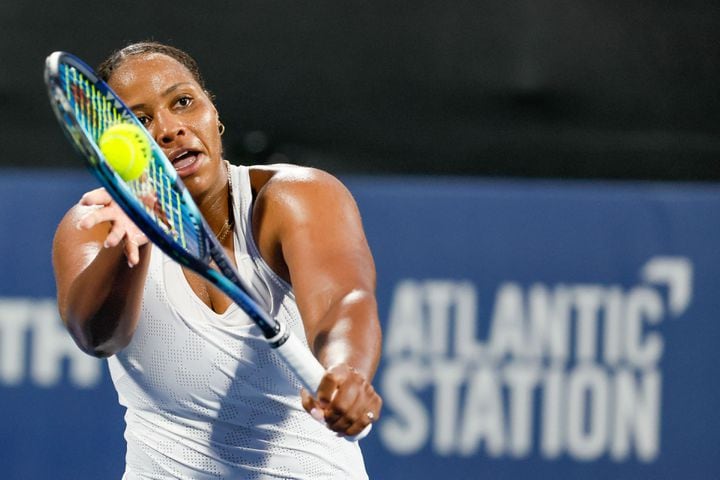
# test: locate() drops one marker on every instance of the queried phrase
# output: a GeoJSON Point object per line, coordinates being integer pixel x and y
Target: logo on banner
{"type": "Point", "coordinates": [563, 369]}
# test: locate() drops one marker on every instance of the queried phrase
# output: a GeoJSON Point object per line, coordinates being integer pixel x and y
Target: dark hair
{"type": "Point", "coordinates": [111, 63]}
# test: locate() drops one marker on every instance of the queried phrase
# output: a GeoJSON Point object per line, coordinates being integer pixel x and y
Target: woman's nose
{"type": "Point", "coordinates": [168, 128]}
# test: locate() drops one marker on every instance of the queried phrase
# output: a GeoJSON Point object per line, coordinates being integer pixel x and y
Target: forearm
{"type": "Point", "coordinates": [101, 305]}
{"type": "Point", "coordinates": [349, 333]}
{"type": "Point", "coordinates": [347, 341]}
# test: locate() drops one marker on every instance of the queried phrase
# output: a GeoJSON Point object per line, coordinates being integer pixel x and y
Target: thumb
{"type": "Point", "coordinates": [308, 402]}
{"type": "Point", "coordinates": [311, 406]}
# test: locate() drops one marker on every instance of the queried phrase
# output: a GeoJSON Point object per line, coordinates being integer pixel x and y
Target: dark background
{"type": "Point", "coordinates": [543, 88]}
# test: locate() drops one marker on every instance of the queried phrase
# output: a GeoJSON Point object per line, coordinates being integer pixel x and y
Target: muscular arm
{"type": "Point", "coordinates": [98, 292]}
{"type": "Point", "coordinates": [308, 226]}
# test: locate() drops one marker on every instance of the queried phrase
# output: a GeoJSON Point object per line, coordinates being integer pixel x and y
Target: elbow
{"type": "Point", "coordinates": [86, 344]}
{"type": "Point", "coordinates": [95, 341]}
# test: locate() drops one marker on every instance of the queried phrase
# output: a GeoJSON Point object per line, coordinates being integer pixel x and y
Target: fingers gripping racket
{"type": "Point", "coordinates": [159, 204]}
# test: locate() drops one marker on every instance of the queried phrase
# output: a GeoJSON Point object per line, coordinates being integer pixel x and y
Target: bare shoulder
{"type": "Point", "coordinates": [74, 214]}
{"type": "Point", "coordinates": [67, 230]}
{"type": "Point", "coordinates": [283, 180]}
{"type": "Point", "coordinates": [297, 206]}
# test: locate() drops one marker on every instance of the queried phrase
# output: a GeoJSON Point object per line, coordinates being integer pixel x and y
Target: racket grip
{"type": "Point", "coordinates": [360, 435]}
{"type": "Point", "coordinates": [308, 370]}
{"type": "Point", "coordinates": [302, 362]}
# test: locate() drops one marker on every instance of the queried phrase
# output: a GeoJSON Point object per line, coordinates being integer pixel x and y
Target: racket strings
{"type": "Point", "coordinates": [94, 110]}
{"type": "Point", "coordinates": [164, 203]}
{"type": "Point", "coordinates": [156, 189]}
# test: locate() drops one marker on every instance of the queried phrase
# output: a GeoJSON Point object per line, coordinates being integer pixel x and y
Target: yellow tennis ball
{"type": "Point", "coordinates": [127, 150]}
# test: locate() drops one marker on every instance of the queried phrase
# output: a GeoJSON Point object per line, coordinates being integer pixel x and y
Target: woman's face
{"type": "Point", "coordinates": [176, 111]}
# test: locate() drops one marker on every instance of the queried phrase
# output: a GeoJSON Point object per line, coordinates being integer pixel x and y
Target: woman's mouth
{"type": "Point", "coordinates": [186, 162]}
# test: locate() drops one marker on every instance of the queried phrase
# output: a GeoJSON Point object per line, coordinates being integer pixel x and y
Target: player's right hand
{"type": "Point", "coordinates": [122, 230]}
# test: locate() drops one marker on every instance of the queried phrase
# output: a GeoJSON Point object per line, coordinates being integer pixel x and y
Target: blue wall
{"type": "Point", "coordinates": [531, 329]}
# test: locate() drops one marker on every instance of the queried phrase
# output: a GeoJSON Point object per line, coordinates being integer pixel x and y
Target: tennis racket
{"type": "Point", "coordinates": [86, 106]}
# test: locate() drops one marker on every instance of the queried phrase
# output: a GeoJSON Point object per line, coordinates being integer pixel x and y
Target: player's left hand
{"type": "Point", "coordinates": [122, 232]}
{"type": "Point", "coordinates": [345, 401]}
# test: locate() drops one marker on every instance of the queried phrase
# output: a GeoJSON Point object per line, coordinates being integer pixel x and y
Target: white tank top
{"type": "Point", "coordinates": [206, 398]}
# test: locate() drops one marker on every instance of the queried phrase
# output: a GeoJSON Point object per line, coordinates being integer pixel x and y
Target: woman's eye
{"type": "Point", "coordinates": [143, 120]}
{"type": "Point", "coordinates": [184, 101]}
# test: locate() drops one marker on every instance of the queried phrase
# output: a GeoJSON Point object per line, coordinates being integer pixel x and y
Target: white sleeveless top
{"type": "Point", "coordinates": [206, 397]}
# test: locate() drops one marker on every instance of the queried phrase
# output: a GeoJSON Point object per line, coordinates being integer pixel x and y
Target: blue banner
{"type": "Point", "coordinates": [531, 329]}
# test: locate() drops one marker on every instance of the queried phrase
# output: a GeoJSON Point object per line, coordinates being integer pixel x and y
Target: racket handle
{"type": "Point", "coordinates": [309, 370]}
{"type": "Point", "coordinates": [360, 435]}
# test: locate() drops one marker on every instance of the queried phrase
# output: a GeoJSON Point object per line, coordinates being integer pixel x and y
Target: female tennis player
{"type": "Point", "coordinates": [205, 395]}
